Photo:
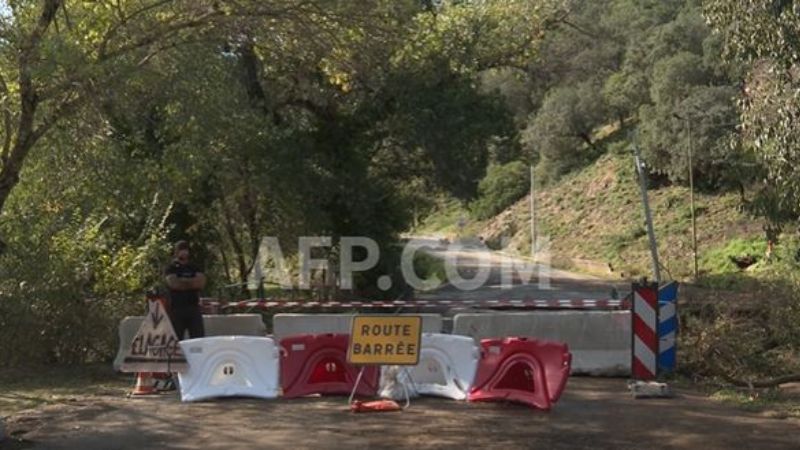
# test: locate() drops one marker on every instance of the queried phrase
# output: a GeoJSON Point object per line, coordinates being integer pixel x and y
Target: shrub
{"type": "Point", "coordinates": [61, 301]}
{"type": "Point", "coordinates": [502, 186]}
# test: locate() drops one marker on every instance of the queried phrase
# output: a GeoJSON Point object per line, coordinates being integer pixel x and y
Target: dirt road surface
{"type": "Point", "coordinates": [594, 413]}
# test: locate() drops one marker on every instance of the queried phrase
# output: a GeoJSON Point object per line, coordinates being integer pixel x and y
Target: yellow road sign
{"type": "Point", "coordinates": [385, 340]}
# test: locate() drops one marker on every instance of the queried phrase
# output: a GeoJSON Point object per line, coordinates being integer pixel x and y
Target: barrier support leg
{"type": "Point", "coordinates": [405, 388]}
{"type": "Point", "coordinates": [355, 385]}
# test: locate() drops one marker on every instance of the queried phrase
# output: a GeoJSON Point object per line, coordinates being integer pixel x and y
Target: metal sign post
{"type": "Point", "coordinates": [377, 340]}
{"type": "Point", "coordinates": [640, 171]}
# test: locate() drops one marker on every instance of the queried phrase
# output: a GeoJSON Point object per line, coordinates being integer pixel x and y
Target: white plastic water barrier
{"type": "Point", "coordinates": [446, 368]}
{"type": "Point", "coordinates": [230, 366]}
{"type": "Point", "coordinates": [600, 341]}
{"type": "Point", "coordinates": [215, 325]}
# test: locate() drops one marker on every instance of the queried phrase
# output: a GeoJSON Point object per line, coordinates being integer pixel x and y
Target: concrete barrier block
{"type": "Point", "coordinates": [290, 324]}
{"type": "Point", "coordinates": [215, 325]}
{"type": "Point", "coordinates": [600, 341]}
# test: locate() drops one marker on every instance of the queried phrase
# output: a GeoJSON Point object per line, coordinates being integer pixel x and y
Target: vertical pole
{"type": "Point", "coordinates": [533, 216]}
{"type": "Point", "coordinates": [691, 198]}
{"type": "Point", "coordinates": [261, 294]}
{"type": "Point", "coordinates": [647, 214]}
{"type": "Point", "coordinates": [355, 385]}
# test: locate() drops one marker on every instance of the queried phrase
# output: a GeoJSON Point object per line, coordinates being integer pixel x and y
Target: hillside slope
{"type": "Point", "coordinates": [594, 218]}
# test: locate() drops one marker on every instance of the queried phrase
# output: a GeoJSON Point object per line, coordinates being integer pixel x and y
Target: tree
{"type": "Point", "coordinates": [624, 92]}
{"type": "Point", "coordinates": [562, 130]}
{"type": "Point", "coordinates": [675, 76]}
{"type": "Point", "coordinates": [709, 114]}
{"type": "Point", "coordinates": [502, 186]}
{"type": "Point", "coordinates": [765, 37]}
{"type": "Point", "coordinates": [276, 126]}
{"type": "Point", "coordinates": [58, 55]}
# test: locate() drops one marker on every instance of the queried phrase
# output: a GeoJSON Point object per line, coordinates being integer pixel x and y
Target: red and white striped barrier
{"type": "Point", "coordinates": [267, 304]}
{"type": "Point", "coordinates": [645, 335]}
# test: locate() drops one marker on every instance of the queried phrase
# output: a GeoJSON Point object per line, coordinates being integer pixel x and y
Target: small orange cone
{"type": "Point", "coordinates": [145, 385]}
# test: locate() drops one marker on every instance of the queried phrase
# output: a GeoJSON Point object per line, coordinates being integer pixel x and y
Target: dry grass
{"type": "Point", "coordinates": [596, 214]}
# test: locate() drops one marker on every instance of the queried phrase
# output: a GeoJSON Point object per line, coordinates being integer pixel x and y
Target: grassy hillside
{"type": "Point", "coordinates": [594, 219]}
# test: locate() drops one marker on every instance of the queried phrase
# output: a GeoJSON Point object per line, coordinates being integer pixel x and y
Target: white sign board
{"type": "Point", "coordinates": [155, 347]}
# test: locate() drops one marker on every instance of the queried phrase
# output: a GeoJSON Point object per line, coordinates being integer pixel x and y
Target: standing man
{"type": "Point", "coordinates": [185, 282]}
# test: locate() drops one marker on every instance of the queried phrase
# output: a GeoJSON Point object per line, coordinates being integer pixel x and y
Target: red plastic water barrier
{"type": "Point", "coordinates": [317, 364]}
{"type": "Point", "coordinates": [523, 370]}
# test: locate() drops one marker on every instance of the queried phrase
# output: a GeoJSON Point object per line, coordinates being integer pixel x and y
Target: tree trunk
{"type": "Point", "coordinates": [26, 135]}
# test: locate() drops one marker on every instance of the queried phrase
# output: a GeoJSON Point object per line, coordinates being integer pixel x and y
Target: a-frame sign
{"type": "Point", "coordinates": [155, 347]}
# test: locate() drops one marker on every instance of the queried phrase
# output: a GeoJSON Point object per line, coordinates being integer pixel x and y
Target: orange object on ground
{"type": "Point", "coordinates": [145, 384]}
{"type": "Point", "coordinates": [374, 406]}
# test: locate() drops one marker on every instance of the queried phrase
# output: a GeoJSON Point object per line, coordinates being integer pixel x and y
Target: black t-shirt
{"type": "Point", "coordinates": [180, 299]}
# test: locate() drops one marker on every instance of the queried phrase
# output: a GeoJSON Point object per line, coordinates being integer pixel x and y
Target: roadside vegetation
{"type": "Point", "coordinates": [126, 127]}
{"type": "Point", "coordinates": [129, 126]}
{"type": "Point", "coordinates": [668, 78]}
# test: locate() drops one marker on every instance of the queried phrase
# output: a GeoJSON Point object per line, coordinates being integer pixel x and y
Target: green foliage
{"type": "Point", "coordinates": [428, 267]}
{"type": "Point", "coordinates": [637, 64]}
{"type": "Point", "coordinates": [61, 300]}
{"type": "Point", "coordinates": [444, 217]}
{"type": "Point", "coordinates": [501, 188]}
{"type": "Point", "coordinates": [721, 259]}
{"type": "Point", "coordinates": [625, 91]}
{"type": "Point", "coordinates": [763, 38]}
{"type": "Point", "coordinates": [674, 76]}
{"type": "Point", "coordinates": [561, 133]}
{"type": "Point", "coordinates": [705, 120]}
{"type": "Point", "coordinates": [222, 122]}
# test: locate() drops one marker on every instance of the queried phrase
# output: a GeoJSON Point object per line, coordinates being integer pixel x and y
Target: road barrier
{"type": "Point", "coordinates": [600, 341]}
{"type": "Point", "coordinates": [317, 364]}
{"type": "Point", "coordinates": [230, 366]}
{"type": "Point", "coordinates": [446, 368]}
{"type": "Point", "coordinates": [521, 356]}
{"type": "Point", "coordinates": [522, 370]}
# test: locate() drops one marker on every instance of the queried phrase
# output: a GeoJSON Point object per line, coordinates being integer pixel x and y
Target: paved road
{"type": "Point", "coordinates": [510, 277]}
{"type": "Point", "coordinates": [593, 414]}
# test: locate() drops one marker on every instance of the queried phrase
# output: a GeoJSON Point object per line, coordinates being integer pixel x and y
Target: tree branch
{"type": "Point", "coordinates": [25, 138]}
{"type": "Point", "coordinates": [160, 34]}
{"type": "Point", "coordinates": [124, 20]}
{"type": "Point", "coordinates": [578, 28]}
{"type": "Point", "coordinates": [7, 124]}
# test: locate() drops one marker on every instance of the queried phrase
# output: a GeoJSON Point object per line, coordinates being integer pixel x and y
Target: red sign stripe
{"type": "Point", "coordinates": [640, 371]}
{"type": "Point", "coordinates": [645, 333]}
{"type": "Point", "coordinates": [649, 295]}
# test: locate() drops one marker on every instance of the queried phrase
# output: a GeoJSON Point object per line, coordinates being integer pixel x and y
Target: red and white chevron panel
{"type": "Point", "coordinates": [267, 304]}
{"type": "Point", "coordinates": [645, 336]}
